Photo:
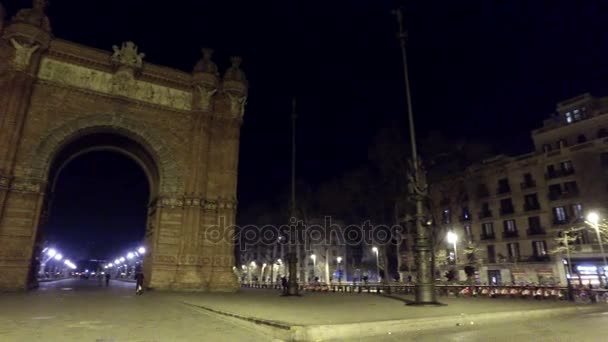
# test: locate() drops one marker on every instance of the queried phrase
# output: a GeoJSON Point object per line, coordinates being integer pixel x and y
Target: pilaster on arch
{"type": "Point", "coordinates": [170, 168]}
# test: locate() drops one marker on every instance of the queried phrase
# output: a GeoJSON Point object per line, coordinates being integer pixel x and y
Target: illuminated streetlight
{"type": "Point", "coordinates": [117, 261]}
{"type": "Point", "coordinates": [339, 260]}
{"type": "Point", "coordinates": [122, 259]}
{"type": "Point", "coordinates": [58, 257]}
{"type": "Point", "coordinates": [594, 219]}
{"type": "Point", "coordinates": [51, 252]}
{"type": "Point", "coordinates": [141, 250]}
{"type": "Point", "coordinates": [375, 250]}
{"type": "Point", "coordinates": [314, 264]}
{"type": "Point", "coordinates": [130, 255]}
{"type": "Point", "coordinates": [453, 238]}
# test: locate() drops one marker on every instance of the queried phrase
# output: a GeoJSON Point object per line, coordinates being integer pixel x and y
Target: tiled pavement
{"type": "Point", "coordinates": [82, 310]}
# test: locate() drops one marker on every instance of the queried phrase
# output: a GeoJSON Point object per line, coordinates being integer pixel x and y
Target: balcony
{"type": "Point", "coordinates": [559, 173]}
{"type": "Point", "coordinates": [505, 189]}
{"type": "Point", "coordinates": [535, 231]}
{"type": "Point", "coordinates": [510, 234]}
{"type": "Point", "coordinates": [554, 196]}
{"type": "Point", "coordinates": [538, 258]}
{"type": "Point", "coordinates": [531, 206]}
{"type": "Point", "coordinates": [464, 218]}
{"type": "Point", "coordinates": [483, 193]}
{"type": "Point", "coordinates": [560, 222]}
{"type": "Point", "coordinates": [507, 211]}
{"type": "Point", "coordinates": [485, 214]}
{"type": "Point", "coordinates": [487, 236]}
{"type": "Point", "coordinates": [528, 185]}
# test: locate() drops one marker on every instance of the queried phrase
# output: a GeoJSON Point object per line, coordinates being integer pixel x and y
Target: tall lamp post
{"type": "Point", "coordinates": [453, 238]}
{"type": "Point", "coordinates": [292, 284]}
{"type": "Point", "coordinates": [339, 260]}
{"type": "Point", "coordinates": [314, 265]}
{"type": "Point", "coordinates": [375, 250]}
{"type": "Point", "coordinates": [594, 219]}
{"type": "Point", "coordinates": [425, 285]}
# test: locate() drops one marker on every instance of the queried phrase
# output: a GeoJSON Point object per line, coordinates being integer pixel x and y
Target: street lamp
{"type": "Point", "coordinates": [375, 250]}
{"type": "Point", "coordinates": [141, 250]}
{"type": "Point", "coordinates": [594, 219]}
{"type": "Point", "coordinates": [51, 252]}
{"type": "Point", "coordinates": [314, 265]}
{"type": "Point", "coordinates": [425, 284]}
{"type": "Point", "coordinates": [58, 257]}
{"type": "Point", "coordinates": [122, 259]}
{"type": "Point", "coordinates": [453, 238]}
{"type": "Point", "coordinates": [130, 255]}
{"type": "Point", "coordinates": [339, 260]}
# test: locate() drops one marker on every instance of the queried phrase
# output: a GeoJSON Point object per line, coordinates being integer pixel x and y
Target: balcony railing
{"type": "Point", "coordinates": [487, 236]}
{"type": "Point", "coordinates": [560, 222]}
{"type": "Point", "coordinates": [535, 231]}
{"type": "Point", "coordinates": [553, 196]}
{"type": "Point", "coordinates": [485, 213]}
{"type": "Point", "coordinates": [528, 185]}
{"type": "Point", "coordinates": [507, 211]}
{"type": "Point", "coordinates": [503, 189]}
{"type": "Point", "coordinates": [559, 173]}
{"type": "Point", "coordinates": [531, 206]}
{"type": "Point", "coordinates": [510, 234]}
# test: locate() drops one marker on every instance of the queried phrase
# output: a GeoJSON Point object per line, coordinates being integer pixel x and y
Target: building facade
{"type": "Point", "coordinates": [510, 212]}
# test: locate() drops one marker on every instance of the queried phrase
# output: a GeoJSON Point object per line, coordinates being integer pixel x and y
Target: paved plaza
{"type": "Point", "coordinates": [82, 311]}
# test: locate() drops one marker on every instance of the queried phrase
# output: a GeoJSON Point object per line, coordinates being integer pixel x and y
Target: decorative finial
{"type": "Point", "coordinates": [207, 53]}
{"type": "Point", "coordinates": [205, 64]}
{"type": "Point", "coordinates": [236, 61]}
{"type": "Point", "coordinates": [40, 5]}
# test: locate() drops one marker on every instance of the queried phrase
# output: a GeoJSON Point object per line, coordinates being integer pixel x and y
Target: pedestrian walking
{"type": "Point", "coordinates": [284, 284]}
{"type": "Point", "coordinates": [139, 283]}
{"type": "Point", "coordinates": [107, 278]}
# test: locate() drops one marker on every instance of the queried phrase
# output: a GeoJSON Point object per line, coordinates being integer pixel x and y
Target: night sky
{"type": "Point", "coordinates": [485, 70]}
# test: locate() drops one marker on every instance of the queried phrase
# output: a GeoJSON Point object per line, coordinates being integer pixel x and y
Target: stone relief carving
{"type": "Point", "coordinates": [237, 105]}
{"type": "Point", "coordinates": [23, 54]}
{"type": "Point", "coordinates": [205, 95]}
{"type": "Point", "coordinates": [26, 185]}
{"type": "Point", "coordinates": [120, 83]}
{"type": "Point", "coordinates": [127, 55]}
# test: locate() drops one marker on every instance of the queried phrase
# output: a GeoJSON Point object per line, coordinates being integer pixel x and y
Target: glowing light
{"type": "Point", "coordinates": [117, 261]}
{"type": "Point", "coordinates": [312, 256]}
{"type": "Point", "coordinates": [339, 259]}
{"type": "Point", "coordinates": [452, 237]}
{"type": "Point", "coordinates": [51, 252]}
{"type": "Point", "coordinates": [375, 250]}
{"type": "Point", "coordinates": [130, 255]}
{"type": "Point", "coordinates": [593, 217]}
{"type": "Point", "coordinates": [122, 259]}
{"type": "Point", "coordinates": [141, 250]}
{"type": "Point", "coordinates": [58, 257]}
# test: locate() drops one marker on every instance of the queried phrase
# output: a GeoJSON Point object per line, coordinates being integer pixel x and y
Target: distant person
{"type": "Point", "coordinates": [108, 279]}
{"type": "Point", "coordinates": [284, 284]}
{"type": "Point", "coordinates": [139, 283]}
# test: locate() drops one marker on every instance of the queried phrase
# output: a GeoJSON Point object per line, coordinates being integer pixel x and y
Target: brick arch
{"type": "Point", "coordinates": [41, 157]}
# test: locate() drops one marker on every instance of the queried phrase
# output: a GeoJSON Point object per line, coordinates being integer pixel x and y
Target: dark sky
{"type": "Point", "coordinates": [488, 70]}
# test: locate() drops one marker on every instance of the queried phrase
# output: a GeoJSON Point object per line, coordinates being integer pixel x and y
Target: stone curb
{"type": "Point", "coordinates": [327, 332]}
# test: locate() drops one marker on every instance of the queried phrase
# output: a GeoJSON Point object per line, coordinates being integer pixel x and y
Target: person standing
{"type": "Point", "coordinates": [107, 278]}
{"type": "Point", "coordinates": [139, 283]}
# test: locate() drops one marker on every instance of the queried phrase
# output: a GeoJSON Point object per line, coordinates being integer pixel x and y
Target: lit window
{"type": "Point", "coordinates": [577, 210]}
{"type": "Point", "coordinates": [569, 118]}
{"type": "Point", "coordinates": [559, 214]}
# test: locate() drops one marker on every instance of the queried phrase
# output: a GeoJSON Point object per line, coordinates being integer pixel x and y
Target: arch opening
{"type": "Point", "coordinates": [100, 185]}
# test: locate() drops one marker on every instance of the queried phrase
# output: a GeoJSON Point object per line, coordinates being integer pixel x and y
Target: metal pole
{"type": "Point", "coordinates": [425, 285]}
{"type": "Point", "coordinates": [292, 286]}
{"type": "Point", "coordinates": [378, 267]}
{"type": "Point", "coordinates": [455, 254]}
{"type": "Point", "coordinates": [599, 239]}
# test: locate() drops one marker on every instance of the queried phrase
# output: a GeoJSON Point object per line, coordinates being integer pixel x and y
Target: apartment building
{"type": "Point", "coordinates": [511, 210]}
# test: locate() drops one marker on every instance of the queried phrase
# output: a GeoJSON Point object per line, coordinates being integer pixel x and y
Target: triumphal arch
{"type": "Point", "coordinates": [59, 99]}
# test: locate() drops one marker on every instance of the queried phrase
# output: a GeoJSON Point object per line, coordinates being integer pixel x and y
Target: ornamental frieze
{"type": "Point", "coordinates": [26, 185]}
{"type": "Point", "coordinates": [113, 84]}
{"type": "Point", "coordinates": [189, 202]}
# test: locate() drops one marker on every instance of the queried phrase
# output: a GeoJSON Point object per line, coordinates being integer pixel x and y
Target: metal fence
{"type": "Point", "coordinates": [582, 295]}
